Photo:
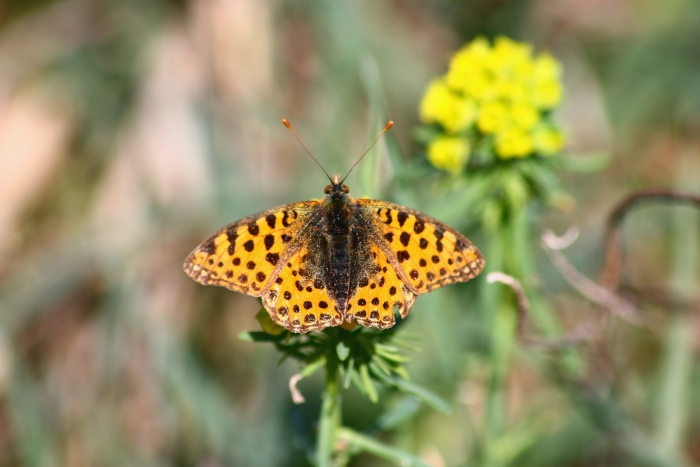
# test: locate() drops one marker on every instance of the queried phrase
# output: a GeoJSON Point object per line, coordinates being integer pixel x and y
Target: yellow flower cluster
{"type": "Point", "coordinates": [501, 92]}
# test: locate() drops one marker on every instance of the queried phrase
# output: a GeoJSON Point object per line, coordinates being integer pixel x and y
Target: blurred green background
{"type": "Point", "coordinates": [132, 129]}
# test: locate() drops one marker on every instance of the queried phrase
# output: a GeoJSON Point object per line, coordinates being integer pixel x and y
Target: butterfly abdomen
{"type": "Point", "coordinates": [340, 269]}
{"type": "Point", "coordinates": [338, 233]}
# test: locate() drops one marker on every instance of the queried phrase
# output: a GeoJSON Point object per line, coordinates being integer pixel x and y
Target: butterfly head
{"type": "Point", "coordinates": [336, 189]}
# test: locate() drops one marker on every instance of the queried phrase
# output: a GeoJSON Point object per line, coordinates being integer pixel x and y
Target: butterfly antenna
{"type": "Point", "coordinates": [289, 127]}
{"type": "Point", "coordinates": [386, 128]}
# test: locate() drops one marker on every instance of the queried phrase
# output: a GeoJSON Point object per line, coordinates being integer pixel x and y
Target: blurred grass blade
{"type": "Point", "coordinates": [381, 450]}
{"type": "Point", "coordinates": [406, 408]}
{"type": "Point", "coordinates": [34, 432]}
{"type": "Point", "coordinates": [425, 395]}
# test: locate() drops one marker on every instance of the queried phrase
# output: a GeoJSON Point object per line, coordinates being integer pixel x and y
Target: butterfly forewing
{"type": "Point", "coordinates": [429, 253]}
{"type": "Point", "coordinates": [243, 256]}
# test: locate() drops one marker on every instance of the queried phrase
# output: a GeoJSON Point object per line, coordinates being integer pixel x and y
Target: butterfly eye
{"type": "Point", "coordinates": [327, 190]}
{"type": "Point", "coordinates": [346, 189]}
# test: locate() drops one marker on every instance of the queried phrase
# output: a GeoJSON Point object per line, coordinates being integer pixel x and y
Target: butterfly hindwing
{"type": "Point", "coordinates": [298, 302]}
{"type": "Point", "coordinates": [243, 256]}
{"type": "Point", "coordinates": [374, 301]}
{"type": "Point", "coordinates": [429, 253]}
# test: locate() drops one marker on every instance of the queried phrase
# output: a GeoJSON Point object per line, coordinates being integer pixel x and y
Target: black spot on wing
{"type": "Point", "coordinates": [402, 255]}
{"type": "Point", "coordinates": [419, 226]}
{"type": "Point", "coordinates": [401, 217]}
{"type": "Point", "coordinates": [232, 235]}
{"type": "Point", "coordinates": [209, 247]}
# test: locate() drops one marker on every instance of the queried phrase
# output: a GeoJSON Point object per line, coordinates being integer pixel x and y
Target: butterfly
{"type": "Point", "coordinates": [320, 263]}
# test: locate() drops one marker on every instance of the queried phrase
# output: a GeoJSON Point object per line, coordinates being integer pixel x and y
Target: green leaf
{"type": "Point", "coordinates": [381, 450]}
{"type": "Point", "coordinates": [313, 367]}
{"type": "Point", "coordinates": [357, 382]}
{"type": "Point", "coordinates": [370, 390]}
{"type": "Point", "coordinates": [348, 373]}
{"type": "Point", "coordinates": [257, 336]}
{"type": "Point", "coordinates": [342, 351]}
{"type": "Point", "coordinates": [425, 395]}
{"type": "Point", "coordinates": [267, 324]}
{"type": "Point", "coordinates": [391, 355]}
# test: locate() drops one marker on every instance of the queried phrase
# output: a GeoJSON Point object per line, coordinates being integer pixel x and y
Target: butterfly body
{"type": "Point", "coordinates": [318, 263]}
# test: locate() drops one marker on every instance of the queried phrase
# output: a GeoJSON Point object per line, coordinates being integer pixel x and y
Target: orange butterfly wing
{"type": "Point", "coordinates": [247, 255]}
{"type": "Point", "coordinates": [426, 253]}
{"type": "Point", "coordinates": [299, 303]}
{"type": "Point", "coordinates": [374, 301]}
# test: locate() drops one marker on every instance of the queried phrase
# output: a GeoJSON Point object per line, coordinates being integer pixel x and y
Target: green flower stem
{"type": "Point", "coordinates": [330, 415]}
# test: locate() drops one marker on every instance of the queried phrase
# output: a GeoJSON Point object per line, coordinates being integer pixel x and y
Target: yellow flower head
{"type": "Point", "coordinates": [500, 91]}
{"type": "Point", "coordinates": [513, 142]}
{"type": "Point", "coordinates": [449, 153]}
{"type": "Point", "coordinates": [548, 140]}
{"type": "Point", "coordinates": [492, 117]}
{"type": "Point", "coordinates": [442, 105]}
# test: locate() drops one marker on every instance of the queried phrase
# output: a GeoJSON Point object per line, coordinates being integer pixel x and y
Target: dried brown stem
{"type": "Point", "coordinates": [589, 289]}
{"type": "Point", "coordinates": [583, 333]}
{"type": "Point", "coordinates": [611, 269]}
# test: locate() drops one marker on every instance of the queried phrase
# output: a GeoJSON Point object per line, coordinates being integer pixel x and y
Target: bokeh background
{"type": "Point", "coordinates": [132, 129]}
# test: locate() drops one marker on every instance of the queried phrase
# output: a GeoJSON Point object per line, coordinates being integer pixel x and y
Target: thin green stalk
{"type": "Point", "coordinates": [502, 335]}
{"type": "Point", "coordinates": [676, 369]}
{"type": "Point", "coordinates": [330, 415]}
